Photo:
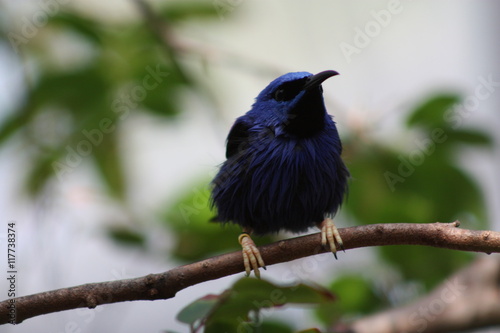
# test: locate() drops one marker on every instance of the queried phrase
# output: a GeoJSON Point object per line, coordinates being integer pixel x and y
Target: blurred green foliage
{"type": "Point", "coordinates": [84, 76]}
{"type": "Point", "coordinates": [108, 71]}
{"type": "Point", "coordinates": [355, 296]}
{"type": "Point", "coordinates": [127, 236]}
{"type": "Point", "coordinates": [421, 185]}
{"type": "Point", "coordinates": [236, 309]}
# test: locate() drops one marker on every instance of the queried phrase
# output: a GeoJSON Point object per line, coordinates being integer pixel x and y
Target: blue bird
{"type": "Point", "coordinates": [284, 169]}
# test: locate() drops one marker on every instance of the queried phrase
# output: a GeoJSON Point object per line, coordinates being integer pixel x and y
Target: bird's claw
{"type": "Point", "coordinates": [251, 255]}
{"type": "Point", "coordinates": [330, 234]}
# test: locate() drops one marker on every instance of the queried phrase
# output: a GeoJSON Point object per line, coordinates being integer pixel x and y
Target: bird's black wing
{"type": "Point", "coordinates": [237, 140]}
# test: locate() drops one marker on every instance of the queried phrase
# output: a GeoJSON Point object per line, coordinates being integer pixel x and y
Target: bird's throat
{"type": "Point", "coordinates": [307, 118]}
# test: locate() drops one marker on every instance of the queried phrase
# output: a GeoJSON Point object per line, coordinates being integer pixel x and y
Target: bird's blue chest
{"type": "Point", "coordinates": [277, 182]}
{"type": "Point", "coordinates": [279, 153]}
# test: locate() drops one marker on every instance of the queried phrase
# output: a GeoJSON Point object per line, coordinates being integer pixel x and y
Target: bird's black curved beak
{"type": "Point", "coordinates": [317, 79]}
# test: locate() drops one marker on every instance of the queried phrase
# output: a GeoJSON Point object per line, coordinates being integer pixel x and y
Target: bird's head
{"type": "Point", "coordinates": [294, 101]}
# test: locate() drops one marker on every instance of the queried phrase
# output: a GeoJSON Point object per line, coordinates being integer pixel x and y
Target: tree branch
{"type": "Point", "coordinates": [162, 32]}
{"type": "Point", "coordinates": [166, 285]}
{"type": "Point", "coordinates": [465, 301]}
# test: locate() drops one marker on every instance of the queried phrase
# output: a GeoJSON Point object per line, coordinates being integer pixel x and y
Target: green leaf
{"type": "Point", "coordinates": [185, 10]}
{"type": "Point", "coordinates": [274, 295]}
{"type": "Point", "coordinates": [471, 137]}
{"type": "Point", "coordinates": [81, 91]}
{"type": "Point", "coordinates": [14, 122]}
{"type": "Point", "coordinates": [222, 326]}
{"type": "Point", "coordinates": [90, 29]}
{"type": "Point", "coordinates": [249, 294]}
{"type": "Point", "coordinates": [275, 327]}
{"type": "Point", "coordinates": [197, 310]}
{"type": "Point", "coordinates": [430, 113]}
{"type": "Point", "coordinates": [41, 171]}
{"type": "Point", "coordinates": [109, 164]}
{"type": "Point", "coordinates": [356, 296]}
{"type": "Point", "coordinates": [163, 99]}
{"type": "Point", "coordinates": [126, 236]}
{"type": "Point", "coordinates": [261, 327]}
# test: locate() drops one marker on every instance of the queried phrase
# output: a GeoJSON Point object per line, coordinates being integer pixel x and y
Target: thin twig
{"type": "Point", "coordinates": [162, 32]}
{"type": "Point", "coordinates": [166, 285]}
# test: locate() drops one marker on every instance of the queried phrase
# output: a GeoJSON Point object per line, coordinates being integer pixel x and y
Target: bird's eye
{"type": "Point", "coordinates": [289, 90]}
{"type": "Point", "coordinates": [279, 95]}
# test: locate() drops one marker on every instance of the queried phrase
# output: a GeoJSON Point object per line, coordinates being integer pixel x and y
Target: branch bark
{"type": "Point", "coordinates": [165, 285]}
{"type": "Point", "coordinates": [467, 300]}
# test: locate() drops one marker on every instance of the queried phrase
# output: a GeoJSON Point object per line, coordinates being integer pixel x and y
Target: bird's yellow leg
{"type": "Point", "coordinates": [251, 255]}
{"type": "Point", "coordinates": [330, 234]}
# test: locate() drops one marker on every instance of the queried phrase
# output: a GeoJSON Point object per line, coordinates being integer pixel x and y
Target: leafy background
{"type": "Point", "coordinates": [107, 165]}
